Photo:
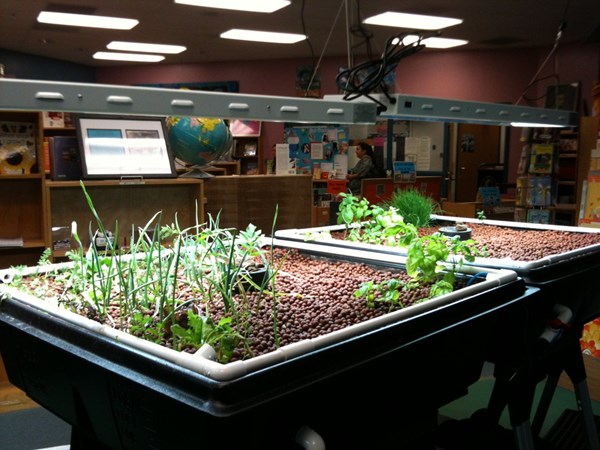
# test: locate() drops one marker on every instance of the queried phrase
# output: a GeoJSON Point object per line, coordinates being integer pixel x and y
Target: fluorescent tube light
{"type": "Point", "coordinates": [537, 125]}
{"type": "Point", "coordinates": [412, 21]}
{"type": "Point", "coordinates": [262, 6]}
{"type": "Point", "coordinates": [263, 36]}
{"type": "Point", "coordinates": [434, 42]}
{"type": "Point", "coordinates": [142, 47]}
{"type": "Point", "coordinates": [137, 57]}
{"type": "Point", "coordinates": [84, 20]}
{"type": "Point", "coordinates": [432, 109]}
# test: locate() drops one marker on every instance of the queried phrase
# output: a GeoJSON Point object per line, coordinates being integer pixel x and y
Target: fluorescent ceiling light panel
{"type": "Point", "coordinates": [263, 36]}
{"type": "Point", "coordinates": [147, 48]}
{"type": "Point", "coordinates": [84, 20]}
{"type": "Point", "coordinates": [434, 42]}
{"type": "Point", "coordinates": [137, 57]}
{"type": "Point", "coordinates": [262, 6]}
{"type": "Point", "coordinates": [413, 21]}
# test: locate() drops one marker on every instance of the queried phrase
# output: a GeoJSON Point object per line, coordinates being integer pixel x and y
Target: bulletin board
{"type": "Point", "coordinates": [322, 147]}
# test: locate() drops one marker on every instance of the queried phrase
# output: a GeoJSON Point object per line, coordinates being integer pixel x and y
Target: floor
{"type": "Point", "coordinates": [563, 403]}
{"type": "Point", "coordinates": [26, 426]}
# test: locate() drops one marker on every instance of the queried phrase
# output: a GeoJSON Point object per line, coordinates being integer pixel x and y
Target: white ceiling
{"type": "Point", "coordinates": [488, 24]}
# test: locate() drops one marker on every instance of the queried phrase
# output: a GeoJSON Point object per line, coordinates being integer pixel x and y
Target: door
{"type": "Point", "coordinates": [475, 145]}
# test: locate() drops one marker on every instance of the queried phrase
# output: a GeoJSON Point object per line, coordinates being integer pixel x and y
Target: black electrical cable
{"type": "Point", "coordinates": [366, 78]}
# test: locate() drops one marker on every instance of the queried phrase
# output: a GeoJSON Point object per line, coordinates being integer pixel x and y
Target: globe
{"type": "Point", "coordinates": [198, 141]}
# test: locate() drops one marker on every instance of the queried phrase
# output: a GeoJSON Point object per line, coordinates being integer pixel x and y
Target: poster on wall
{"type": "Point", "coordinates": [308, 82]}
{"type": "Point", "coordinates": [284, 162]}
{"type": "Point", "coordinates": [318, 146]}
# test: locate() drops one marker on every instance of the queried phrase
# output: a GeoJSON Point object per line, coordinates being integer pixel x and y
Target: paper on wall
{"type": "Point", "coordinates": [284, 165]}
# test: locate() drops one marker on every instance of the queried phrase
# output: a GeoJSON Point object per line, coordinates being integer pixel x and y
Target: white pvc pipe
{"type": "Point", "coordinates": [309, 439]}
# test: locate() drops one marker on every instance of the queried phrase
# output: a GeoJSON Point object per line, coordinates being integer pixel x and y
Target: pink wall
{"type": "Point", "coordinates": [499, 76]}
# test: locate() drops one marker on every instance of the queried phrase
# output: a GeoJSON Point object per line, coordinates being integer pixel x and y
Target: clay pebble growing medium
{"type": "Point", "coordinates": [320, 294]}
{"type": "Point", "coordinates": [527, 244]}
{"type": "Point", "coordinates": [315, 297]}
{"type": "Point", "coordinates": [501, 242]}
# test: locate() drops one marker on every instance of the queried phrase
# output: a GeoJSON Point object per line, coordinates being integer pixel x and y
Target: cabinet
{"type": "Point", "coordinates": [573, 164]}
{"type": "Point", "coordinates": [247, 150]}
{"type": "Point", "coordinates": [31, 205]}
{"type": "Point", "coordinates": [566, 180]}
{"type": "Point", "coordinates": [259, 199]}
{"type": "Point", "coordinates": [503, 211]}
{"type": "Point", "coordinates": [49, 132]}
{"type": "Point", "coordinates": [121, 204]}
{"type": "Point", "coordinates": [555, 196]}
{"type": "Point", "coordinates": [22, 221]}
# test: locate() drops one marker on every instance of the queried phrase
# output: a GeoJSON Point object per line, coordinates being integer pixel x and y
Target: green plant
{"type": "Point", "coordinates": [387, 292]}
{"type": "Point", "coordinates": [45, 257]}
{"type": "Point", "coordinates": [414, 206]}
{"type": "Point", "coordinates": [165, 271]}
{"type": "Point", "coordinates": [372, 223]}
{"type": "Point", "coordinates": [200, 330]}
{"type": "Point", "coordinates": [481, 214]}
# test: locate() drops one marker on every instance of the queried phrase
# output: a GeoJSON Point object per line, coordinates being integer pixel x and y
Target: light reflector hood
{"type": "Point", "coordinates": [413, 107]}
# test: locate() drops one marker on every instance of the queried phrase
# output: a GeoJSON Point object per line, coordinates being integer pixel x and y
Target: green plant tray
{"type": "Point", "coordinates": [123, 396]}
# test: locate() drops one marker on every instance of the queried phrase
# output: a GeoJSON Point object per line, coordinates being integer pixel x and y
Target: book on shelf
{"type": "Point", "coordinates": [65, 158]}
{"type": "Point", "coordinates": [405, 171]}
{"type": "Point", "coordinates": [539, 192]}
{"type": "Point", "coordinates": [590, 207]}
{"type": "Point", "coordinates": [250, 149]}
{"type": "Point", "coordinates": [541, 158]}
{"type": "Point", "coordinates": [53, 119]}
{"type": "Point", "coordinates": [252, 168]}
{"type": "Point", "coordinates": [524, 160]}
{"type": "Point", "coordinates": [538, 216]}
{"type": "Point", "coordinates": [11, 242]}
{"type": "Point", "coordinates": [489, 195]}
{"type": "Point", "coordinates": [520, 215]}
{"type": "Point", "coordinates": [18, 148]}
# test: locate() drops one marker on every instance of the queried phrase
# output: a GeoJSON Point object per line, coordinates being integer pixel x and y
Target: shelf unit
{"type": "Point", "coordinates": [247, 150]}
{"type": "Point", "coordinates": [125, 205]}
{"type": "Point", "coordinates": [573, 161]}
{"type": "Point", "coordinates": [22, 204]}
{"type": "Point", "coordinates": [32, 204]}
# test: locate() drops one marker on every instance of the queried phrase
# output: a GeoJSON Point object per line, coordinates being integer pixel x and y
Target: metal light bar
{"type": "Point", "coordinates": [412, 107]}
{"type": "Point", "coordinates": [33, 95]}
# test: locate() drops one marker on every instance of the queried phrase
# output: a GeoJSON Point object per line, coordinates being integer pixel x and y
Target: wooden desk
{"type": "Point", "coordinates": [378, 190]}
{"type": "Point", "coordinates": [245, 199]}
{"type": "Point", "coordinates": [504, 211]}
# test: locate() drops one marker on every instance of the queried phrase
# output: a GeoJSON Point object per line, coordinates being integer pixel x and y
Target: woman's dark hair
{"type": "Point", "coordinates": [376, 172]}
{"type": "Point", "coordinates": [367, 148]}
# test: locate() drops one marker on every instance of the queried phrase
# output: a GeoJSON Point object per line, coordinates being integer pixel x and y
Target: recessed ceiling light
{"type": "Point", "coordinates": [434, 42]}
{"type": "Point", "coordinates": [412, 21]}
{"type": "Point", "coordinates": [137, 57]}
{"type": "Point", "coordinates": [84, 20]}
{"type": "Point", "coordinates": [263, 36]}
{"type": "Point", "coordinates": [143, 47]}
{"type": "Point", "coordinates": [263, 6]}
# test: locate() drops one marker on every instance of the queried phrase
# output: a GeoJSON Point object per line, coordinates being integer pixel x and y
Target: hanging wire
{"type": "Point", "coordinates": [561, 28]}
{"type": "Point", "coordinates": [316, 66]}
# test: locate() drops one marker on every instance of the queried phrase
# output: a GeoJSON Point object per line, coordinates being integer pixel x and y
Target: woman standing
{"type": "Point", "coordinates": [364, 168]}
